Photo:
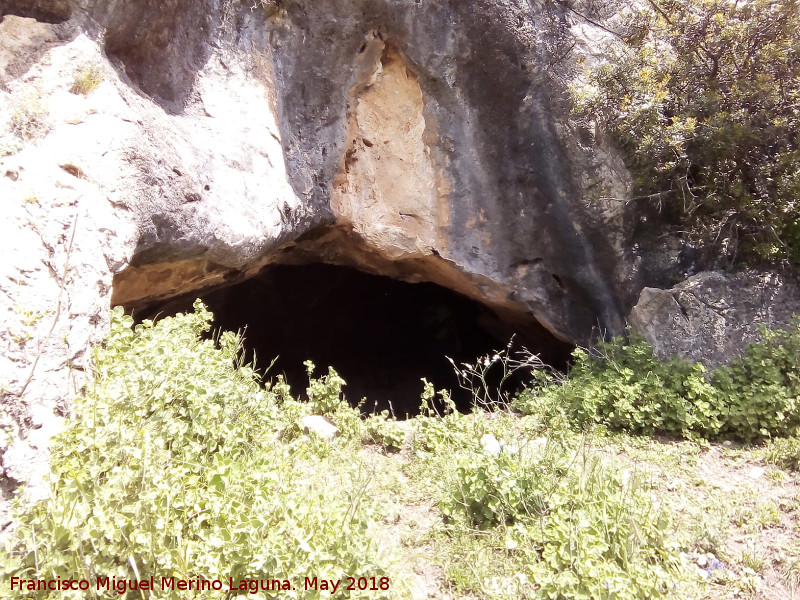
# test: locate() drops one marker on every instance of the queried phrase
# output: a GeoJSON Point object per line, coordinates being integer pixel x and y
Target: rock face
{"type": "Point", "coordinates": [712, 317]}
{"type": "Point", "coordinates": [444, 145]}
{"type": "Point", "coordinates": [425, 140]}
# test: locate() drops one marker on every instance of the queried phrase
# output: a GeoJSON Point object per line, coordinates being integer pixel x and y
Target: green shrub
{"type": "Point", "coordinates": [494, 490]}
{"type": "Point", "coordinates": [702, 95]}
{"type": "Point", "coordinates": [325, 398]}
{"type": "Point", "coordinates": [173, 466]}
{"type": "Point", "coordinates": [623, 386]}
{"type": "Point", "coordinates": [566, 524]}
{"type": "Point", "coordinates": [324, 394]}
{"type": "Point", "coordinates": [784, 453]}
{"type": "Point", "coordinates": [761, 390]}
{"type": "Point", "coordinates": [380, 429]}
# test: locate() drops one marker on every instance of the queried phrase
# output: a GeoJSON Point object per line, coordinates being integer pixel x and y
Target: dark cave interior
{"type": "Point", "coordinates": [381, 335]}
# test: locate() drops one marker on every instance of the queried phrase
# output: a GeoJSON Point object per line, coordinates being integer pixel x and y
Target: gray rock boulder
{"type": "Point", "coordinates": [712, 316]}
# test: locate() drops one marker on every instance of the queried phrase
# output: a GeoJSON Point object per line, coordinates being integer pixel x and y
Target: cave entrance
{"type": "Point", "coordinates": [382, 335]}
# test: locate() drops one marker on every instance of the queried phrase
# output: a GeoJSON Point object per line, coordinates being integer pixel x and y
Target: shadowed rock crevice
{"type": "Point", "coordinates": [380, 334]}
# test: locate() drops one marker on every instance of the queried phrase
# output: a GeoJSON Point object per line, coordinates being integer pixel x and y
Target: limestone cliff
{"type": "Point", "coordinates": [427, 140]}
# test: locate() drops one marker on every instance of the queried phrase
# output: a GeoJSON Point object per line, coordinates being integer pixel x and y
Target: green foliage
{"type": "Point", "coordinates": [495, 490]}
{"type": "Point", "coordinates": [784, 453]}
{"type": "Point", "coordinates": [544, 518]}
{"type": "Point", "coordinates": [761, 390]}
{"type": "Point", "coordinates": [324, 394]}
{"type": "Point", "coordinates": [173, 466]}
{"type": "Point", "coordinates": [325, 398]}
{"type": "Point", "coordinates": [703, 97]}
{"type": "Point", "coordinates": [430, 406]}
{"type": "Point", "coordinates": [177, 462]}
{"type": "Point", "coordinates": [623, 386]}
{"type": "Point", "coordinates": [87, 79]}
{"type": "Point", "coordinates": [383, 430]}
{"type": "Point", "coordinates": [579, 529]}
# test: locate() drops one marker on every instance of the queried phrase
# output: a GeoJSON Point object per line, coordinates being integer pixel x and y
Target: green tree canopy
{"type": "Point", "coordinates": [704, 98]}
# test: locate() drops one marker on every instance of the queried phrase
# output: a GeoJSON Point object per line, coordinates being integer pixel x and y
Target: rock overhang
{"type": "Point", "coordinates": [218, 140]}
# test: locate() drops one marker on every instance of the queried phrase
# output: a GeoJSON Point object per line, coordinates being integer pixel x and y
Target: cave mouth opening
{"type": "Point", "coordinates": [381, 335]}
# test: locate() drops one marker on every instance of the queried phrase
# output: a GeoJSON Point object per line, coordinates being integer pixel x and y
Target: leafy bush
{"type": "Point", "coordinates": [500, 490]}
{"type": "Point", "coordinates": [388, 432]}
{"type": "Point", "coordinates": [784, 453]}
{"type": "Point", "coordinates": [324, 394]}
{"type": "Point", "coordinates": [325, 398]}
{"type": "Point", "coordinates": [761, 390]}
{"type": "Point", "coordinates": [563, 522]}
{"type": "Point", "coordinates": [173, 466]}
{"type": "Point", "coordinates": [623, 386]}
{"type": "Point", "coordinates": [703, 95]}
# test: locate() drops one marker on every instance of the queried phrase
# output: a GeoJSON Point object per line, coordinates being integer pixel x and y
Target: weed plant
{"type": "Point", "coordinates": [177, 463]}
{"type": "Point", "coordinates": [783, 452]}
{"type": "Point", "coordinates": [546, 517]}
{"type": "Point", "coordinates": [87, 79]}
{"type": "Point", "coordinates": [624, 386]}
{"type": "Point", "coordinates": [29, 120]}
